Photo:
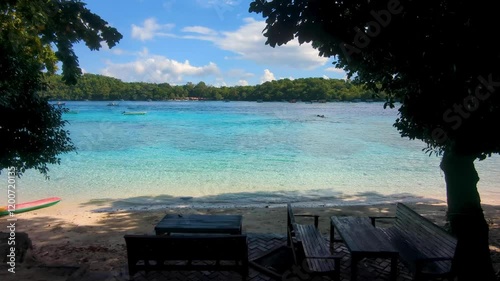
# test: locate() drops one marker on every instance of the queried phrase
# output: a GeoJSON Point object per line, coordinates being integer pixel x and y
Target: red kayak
{"type": "Point", "coordinates": [29, 206]}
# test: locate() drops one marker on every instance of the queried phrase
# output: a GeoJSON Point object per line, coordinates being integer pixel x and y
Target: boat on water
{"type": "Point", "coordinates": [134, 112]}
{"type": "Point", "coordinates": [113, 104]}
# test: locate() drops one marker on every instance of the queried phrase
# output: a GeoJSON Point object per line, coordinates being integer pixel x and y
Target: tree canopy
{"type": "Point", "coordinates": [438, 57]}
{"type": "Point", "coordinates": [35, 35]}
{"type": "Point", "coordinates": [98, 87]}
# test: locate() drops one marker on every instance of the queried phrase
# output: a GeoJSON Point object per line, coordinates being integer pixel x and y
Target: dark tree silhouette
{"type": "Point", "coordinates": [32, 131]}
{"type": "Point", "coordinates": [441, 60]}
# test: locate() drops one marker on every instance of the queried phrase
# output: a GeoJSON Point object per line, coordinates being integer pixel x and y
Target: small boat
{"type": "Point", "coordinates": [113, 104]}
{"type": "Point", "coordinates": [133, 112]}
{"type": "Point", "coordinates": [260, 101]}
{"type": "Point", "coordinates": [28, 206]}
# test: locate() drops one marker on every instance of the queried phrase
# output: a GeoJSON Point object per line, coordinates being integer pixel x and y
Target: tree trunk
{"type": "Point", "coordinates": [472, 259]}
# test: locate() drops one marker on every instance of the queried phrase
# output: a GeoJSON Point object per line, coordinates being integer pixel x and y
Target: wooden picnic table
{"type": "Point", "coordinates": [208, 224]}
{"type": "Point", "coordinates": [363, 240]}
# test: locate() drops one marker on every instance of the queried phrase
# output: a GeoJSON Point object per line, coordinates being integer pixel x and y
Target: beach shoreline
{"type": "Point", "coordinates": [165, 202]}
{"type": "Point", "coordinates": [82, 236]}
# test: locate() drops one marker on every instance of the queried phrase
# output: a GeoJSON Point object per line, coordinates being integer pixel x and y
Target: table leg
{"type": "Point", "coordinates": [332, 236]}
{"type": "Point", "coordinates": [354, 267]}
{"type": "Point", "coordinates": [394, 268]}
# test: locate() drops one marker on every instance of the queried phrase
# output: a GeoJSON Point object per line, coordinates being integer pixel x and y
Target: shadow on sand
{"type": "Point", "coordinates": [101, 246]}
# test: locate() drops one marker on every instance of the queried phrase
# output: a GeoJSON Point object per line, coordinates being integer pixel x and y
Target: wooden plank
{"type": "Point", "coordinates": [425, 233]}
{"type": "Point", "coordinates": [418, 239]}
{"type": "Point", "coordinates": [411, 255]}
{"type": "Point", "coordinates": [360, 236]}
{"type": "Point", "coordinates": [315, 248]}
{"type": "Point", "coordinates": [290, 216]}
{"type": "Point", "coordinates": [226, 224]}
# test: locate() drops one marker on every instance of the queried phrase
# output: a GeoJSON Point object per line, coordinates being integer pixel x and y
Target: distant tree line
{"type": "Point", "coordinates": [99, 87]}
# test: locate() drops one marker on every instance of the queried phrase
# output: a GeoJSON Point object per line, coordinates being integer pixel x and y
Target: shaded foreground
{"type": "Point", "coordinates": [94, 242]}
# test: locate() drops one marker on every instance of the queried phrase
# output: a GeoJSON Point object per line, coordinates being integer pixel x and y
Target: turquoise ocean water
{"type": "Point", "coordinates": [226, 154]}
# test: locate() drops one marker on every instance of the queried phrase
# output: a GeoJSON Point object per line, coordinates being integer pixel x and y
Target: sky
{"type": "Point", "coordinates": [179, 41]}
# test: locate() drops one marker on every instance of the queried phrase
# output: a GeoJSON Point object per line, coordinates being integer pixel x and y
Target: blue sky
{"type": "Point", "coordinates": [179, 41]}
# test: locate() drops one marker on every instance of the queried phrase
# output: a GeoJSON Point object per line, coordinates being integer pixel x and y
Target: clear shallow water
{"type": "Point", "coordinates": [242, 154]}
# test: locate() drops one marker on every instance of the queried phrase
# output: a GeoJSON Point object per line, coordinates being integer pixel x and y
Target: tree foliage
{"type": "Point", "coordinates": [439, 59]}
{"type": "Point", "coordinates": [34, 36]}
{"type": "Point", "coordinates": [98, 87]}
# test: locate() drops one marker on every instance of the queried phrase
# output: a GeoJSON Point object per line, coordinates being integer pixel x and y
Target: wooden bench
{"type": "Point", "coordinates": [425, 248]}
{"type": "Point", "coordinates": [310, 249]}
{"type": "Point", "coordinates": [187, 252]}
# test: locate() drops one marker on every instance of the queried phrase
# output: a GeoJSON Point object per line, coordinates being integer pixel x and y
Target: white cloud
{"type": "Point", "coordinates": [220, 6]}
{"type": "Point", "coordinates": [335, 70]}
{"type": "Point", "coordinates": [104, 45]}
{"type": "Point", "coordinates": [268, 76]}
{"type": "Point", "coordinates": [158, 69]}
{"type": "Point", "coordinates": [167, 5]}
{"type": "Point", "coordinates": [239, 73]}
{"type": "Point", "coordinates": [249, 44]}
{"type": "Point", "coordinates": [243, 82]}
{"type": "Point", "coordinates": [211, 3]}
{"type": "Point", "coordinates": [219, 82]}
{"type": "Point", "coordinates": [200, 30]}
{"type": "Point", "coordinates": [150, 29]}
{"type": "Point", "coordinates": [144, 52]}
{"type": "Point", "coordinates": [337, 73]}
{"type": "Point", "coordinates": [326, 77]}
{"type": "Point", "coordinates": [117, 51]}
{"type": "Point", "coordinates": [114, 51]}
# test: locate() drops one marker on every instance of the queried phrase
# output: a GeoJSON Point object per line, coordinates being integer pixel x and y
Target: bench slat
{"type": "Point", "coordinates": [316, 249]}
{"type": "Point", "coordinates": [409, 220]}
{"type": "Point", "coordinates": [426, 248]}
{"type": "Point", "coordinates": [314, 246]}
{"type": "Point", "coordinates": [425, 234]}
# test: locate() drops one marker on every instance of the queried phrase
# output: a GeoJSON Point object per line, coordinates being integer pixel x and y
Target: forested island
{"type": "Point", "coordinates": [99, 87]}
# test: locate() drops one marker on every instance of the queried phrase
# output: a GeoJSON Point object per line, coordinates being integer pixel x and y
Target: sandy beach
{"type": "Point", "coordinates": [79, 236]}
